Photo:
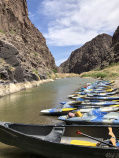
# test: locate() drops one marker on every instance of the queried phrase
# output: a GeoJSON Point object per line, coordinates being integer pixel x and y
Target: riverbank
{"type": "Point", "coordinates": [10, 88]}
{"type": "Point", "coordinates": [109, 73]}
{"type": "Point", "coordinates": [116, 83]}
{"type": "Point", "coordinates": [6, 89]}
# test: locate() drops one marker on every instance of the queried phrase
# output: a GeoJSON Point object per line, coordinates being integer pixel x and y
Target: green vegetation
{"type": "Point", "coordinates": [56, 75]}
{"type": "Point", "coordinates": [35, 71]}
{"type": "Point", "coordinates": [110, 72]}
{"type": "Point", "coordinates": [35, 54]}
{"type": "Point", "coordinates": [12, 31]}
{"type": "Point", "coordinates": [2, 31]}
{"type": "Point", "coordinates": [11, 68]}
{"type": "Point", "coordinates": [97, 69]}
{"type": "Point", "coordinates": [95, 75]}
{"type": "Point", "coordinates": [48, 75]}
{"type": "Point", "coordinates": [114, 75]}
{"type": "Point", "coordinates": [113, 64]}
{"type": "Point", "coordinates": [54, 70]}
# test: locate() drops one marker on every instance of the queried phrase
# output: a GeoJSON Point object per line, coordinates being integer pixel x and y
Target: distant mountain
{"type": "Point", "coordinates": [24, 55]}
{"type": "Point", "coordinates": [93, 54]}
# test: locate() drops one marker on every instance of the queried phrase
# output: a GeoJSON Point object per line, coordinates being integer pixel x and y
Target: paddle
{"type": "Point", "coordinates": [114, 105]}
{"type": "Point", "coordinates": [69, 109]}
{"type": "Point", "coordinates": [95, 139]}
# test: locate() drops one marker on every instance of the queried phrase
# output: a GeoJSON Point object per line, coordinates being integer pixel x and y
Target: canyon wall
{"type": "Point", "coordinates": [24, 55]}
{"type": "Point", "coordinates": [92, 55]}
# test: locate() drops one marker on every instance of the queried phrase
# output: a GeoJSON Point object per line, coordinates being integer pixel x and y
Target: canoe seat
{"type": "Point", "coordinates": [55, 135]}
{"type": "Point", "coordinates": [84, 143]}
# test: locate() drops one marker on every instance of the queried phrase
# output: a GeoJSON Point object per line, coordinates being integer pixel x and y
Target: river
{"type": "Point", "coordinates": [25, 107]}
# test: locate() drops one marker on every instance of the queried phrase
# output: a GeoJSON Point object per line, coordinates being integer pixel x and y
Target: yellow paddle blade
{"type": "Point", "coordinates": [114, 105]}
{"type": "Point", "coordinates": [112, 81]}
{"type": "Point", "coordinates": [84, 143]}
{"type": "Point", "coordinates": [69, 109]}
{"type": "Point", "coordinates": [115, 100]}
{"type": "Point", "coordinates": [109, 90]}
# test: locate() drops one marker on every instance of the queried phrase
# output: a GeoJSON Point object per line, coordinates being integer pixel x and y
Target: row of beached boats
{"type": "Point", "coordinates": [95, 104]}
{"type": "Point", "coordinates": [89, 123]}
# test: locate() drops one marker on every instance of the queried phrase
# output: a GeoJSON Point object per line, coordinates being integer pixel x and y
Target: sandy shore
{"type": "Point", "coordinates": [116, 83]}
{"type": "Point", "coordinates": [16, 87]}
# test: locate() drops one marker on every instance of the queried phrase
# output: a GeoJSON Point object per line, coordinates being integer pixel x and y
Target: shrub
{"type": "Point", "coordinates": [2, 31]}
{"type": "Point", "coordinates": [96, 75]}
{"type": "Point", "coordinates": [114, 74]}
{"type": "Point", "coordinates": [113, 64]}
{"type": "Point", "coordinates": [100, 75]}
{"type": "Point", "coordinates": [35, 71]}
{"type": "Point", "coordinates": [54, 70]}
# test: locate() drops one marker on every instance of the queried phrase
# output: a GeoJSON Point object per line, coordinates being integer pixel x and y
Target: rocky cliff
{"type": "Point", "coordinates": [93, 54]}
{"type": "Point", "coordinates": [115, 46]}
{"type": "Point", "coordinates": [24, 55]}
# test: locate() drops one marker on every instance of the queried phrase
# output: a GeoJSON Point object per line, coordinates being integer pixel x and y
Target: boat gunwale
{"type": "Point", "coordinates": [33, 137]}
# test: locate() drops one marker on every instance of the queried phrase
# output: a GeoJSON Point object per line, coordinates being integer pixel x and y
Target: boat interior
{"type": "Point", "coordinates": [65, 134]}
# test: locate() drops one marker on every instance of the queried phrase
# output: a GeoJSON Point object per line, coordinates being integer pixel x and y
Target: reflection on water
{"type": "Point", "coordinates": [25, 107]}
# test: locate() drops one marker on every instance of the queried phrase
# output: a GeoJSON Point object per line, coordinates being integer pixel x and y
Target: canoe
{"type": "Point", "coordinates": [103, 98]}
{"type": "Point", "coordinates": [75, 102]}
{"type": "Point", "coordinates": [99, 91]}
{"type": "Point", "coordinates": [57, 111]}
{"type": "Point", "coordinates": [96, 102]}
{"type": "Point", "coordinates": [102, 109]}
{"type": "Point", "coordinates": [82, 95]}
{"type": "Point", "coordinates": [102, 103]}
{"type": "Point", "coordinates": [103, 94]}
{"type": "Point", "coordinates": [66, 108]}
{"type": "Point", "coordinates": [95, 116]}
{"type": "Point", "coordinates": [91, 103]}
{"type": "Point", "coordinates": [59, 141]}
{"type": "Point", "coordinates": [94, 95]}
{"type": "Point", "coordinates": [83, 108]}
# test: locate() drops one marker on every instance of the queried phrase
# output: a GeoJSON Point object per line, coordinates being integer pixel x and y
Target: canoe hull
{"type": "Point", "coordinates": [56, 150]}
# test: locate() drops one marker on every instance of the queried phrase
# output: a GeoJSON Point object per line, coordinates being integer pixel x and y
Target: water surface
{"type": "Point", "coordinates": [25, 107]}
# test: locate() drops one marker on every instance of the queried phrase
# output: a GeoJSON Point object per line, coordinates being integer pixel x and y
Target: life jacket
{"type": "Point", "coordinates": [78, 114]}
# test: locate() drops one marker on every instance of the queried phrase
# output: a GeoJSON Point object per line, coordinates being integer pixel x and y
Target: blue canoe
{"type": "Point", "coordinates": [83, 94]}
{"type": "Point", "coordinates": [59, 111]}
{"type": "Point", "coordinates": [96, 102]}
{"type": "Point", "coordinates": [103, 98]}
{"type": "Point", "coordinates": [93, 117]}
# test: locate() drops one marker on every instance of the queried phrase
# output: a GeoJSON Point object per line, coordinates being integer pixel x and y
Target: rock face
{"type": "Point", "coordinates": [115, 46]}
{"type": "Point", "coordinates": [23, 50]}
{"type": "Point", "coordinates": [93, 54]}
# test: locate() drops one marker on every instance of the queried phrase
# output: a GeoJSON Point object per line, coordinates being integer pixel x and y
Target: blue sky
{"type": "Point", "coordinates": [68, 24]}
